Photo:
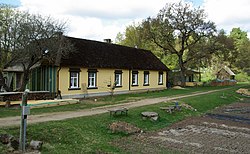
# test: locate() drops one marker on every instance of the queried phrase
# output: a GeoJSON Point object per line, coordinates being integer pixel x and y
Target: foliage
{"type": "Point", "coordinates": [207, 74]}
{"type": "Point", "coordinates": [242, 53]}
{"type": "Point", "coordinates": [234, 51]}
{"type": "Point", "coordinates": [179, 35]}
{"type": "Point", "coordinates": [7, 18]}
{"type": "Point", "coordinates": [91, 134]}
{"type": "Point", "coordinates": [242, 77]}
{"type": "Point", "coordinates": [134, 36]}
{"type": "Point", "coordinates": [182, 30]}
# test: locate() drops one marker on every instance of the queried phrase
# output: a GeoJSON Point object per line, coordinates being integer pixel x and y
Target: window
{"type": "Point", "coordinates": [118, 78]}
{"type": "Point", "coordinates": [74, 78]}
{"type": "Point", "coordinates": [134, 78]}
{"type": "Point", "coordinates": [160, 80]}
{"type": "Point", "coordinates": [92, 79]}
{"type": "Point", "coordinates": [146, 78]}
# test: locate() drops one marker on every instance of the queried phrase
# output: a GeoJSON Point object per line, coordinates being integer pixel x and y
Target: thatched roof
{"type": "Point", "coordinates": [94, 54]}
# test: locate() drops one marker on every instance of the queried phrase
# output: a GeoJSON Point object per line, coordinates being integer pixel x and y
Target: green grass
{"type": "Point", "coordinates": [91, 134]}
{"type": "Point", "coordinates": [108, 100]}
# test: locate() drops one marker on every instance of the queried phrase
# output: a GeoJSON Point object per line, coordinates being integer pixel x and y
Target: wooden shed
{"type": "Point", "coordinates": [225, 73]}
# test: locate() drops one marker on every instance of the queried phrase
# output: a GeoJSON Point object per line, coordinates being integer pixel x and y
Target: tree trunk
{"type": "Point", "coordinates": [25, 80]}
{"type": "Point", "coordinates": [2, 82]}
{"type": "Point", "coordinates": [182, 72]}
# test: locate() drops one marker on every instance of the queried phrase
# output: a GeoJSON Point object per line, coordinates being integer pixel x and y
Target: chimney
{"type": "Point", "coordinates": [107, 40]}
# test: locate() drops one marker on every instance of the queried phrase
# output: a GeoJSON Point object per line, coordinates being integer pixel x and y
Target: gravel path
{"type": "Point", "coordinates": [15, 121]}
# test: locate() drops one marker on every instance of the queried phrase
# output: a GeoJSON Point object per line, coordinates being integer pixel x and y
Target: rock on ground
{"type": "Point", "coordinates": [123, 127]}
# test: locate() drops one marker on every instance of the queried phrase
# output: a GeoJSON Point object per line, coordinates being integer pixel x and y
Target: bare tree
{"type": "Point", "coordinates": [33, 40]}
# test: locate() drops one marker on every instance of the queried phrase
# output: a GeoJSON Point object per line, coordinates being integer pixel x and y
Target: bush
{"type": "Point", "coordinates": [242, 77]}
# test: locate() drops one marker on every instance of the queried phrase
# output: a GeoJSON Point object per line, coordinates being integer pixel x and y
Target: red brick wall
{"type": "Point", "coordinates": [15, 96]}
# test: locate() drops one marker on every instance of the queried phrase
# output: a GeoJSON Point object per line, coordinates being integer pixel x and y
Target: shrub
{"type": "Point", "coordinates": [242, 77]}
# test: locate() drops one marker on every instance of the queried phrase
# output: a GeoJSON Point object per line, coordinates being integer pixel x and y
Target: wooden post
{"type": "Point", "coordinates": [24, 114]}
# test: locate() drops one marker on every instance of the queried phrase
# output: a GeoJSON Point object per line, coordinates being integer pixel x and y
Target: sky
{"type": "Point", "coordinates": [102, 19]}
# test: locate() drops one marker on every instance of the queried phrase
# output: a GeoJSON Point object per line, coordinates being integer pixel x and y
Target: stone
{"type": "Point", "coordinates": [36, 145]}
{"type": "Point", "coordinates": [14, 143]}
{"type": "Point", "coordinates": [5, 138]}
{"type": "Point", "coordinates": [154, 118]}
{"type": "Point", "coordinates": [151, 115]}
{"type": "Point", "coordinates": [123, 127]}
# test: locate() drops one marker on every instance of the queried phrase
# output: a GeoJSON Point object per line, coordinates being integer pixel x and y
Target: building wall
{"type": "Point", "coordinates": [153, 80]}
{"type": "Point", "coordinates": [105, 80]}
{"type": "Point", "coordinates": [13, 80]}
{"type": "Point", "coordinates": [223, 75]}
{"type": "Point", "coordinates": [43, 79]}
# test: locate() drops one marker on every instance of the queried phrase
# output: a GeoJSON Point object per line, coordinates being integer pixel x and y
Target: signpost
{"type": "Point", "coordinates": [24, 113]}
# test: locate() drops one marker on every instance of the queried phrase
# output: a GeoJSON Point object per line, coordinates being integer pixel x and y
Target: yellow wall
{"type": "Point", "coordinates": [104, 78]}
{"type": "Point", "coordinates": [153, 80]}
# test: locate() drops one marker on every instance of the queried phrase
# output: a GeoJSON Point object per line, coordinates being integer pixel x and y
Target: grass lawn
{"type": "Point", "coordinates": [91, 134]}
{"type": "Point", "coordinates": [108, 100]}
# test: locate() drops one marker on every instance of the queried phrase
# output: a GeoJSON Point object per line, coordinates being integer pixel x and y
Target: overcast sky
{"type": "Point", "coordinates": [101, 19]}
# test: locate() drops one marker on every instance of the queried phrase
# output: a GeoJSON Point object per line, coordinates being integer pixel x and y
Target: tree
{"type": "Point", "coordinates": [240, 56]}
{"type": "Point", "coordinates": [234, 51]}
{"type": "Point", "coordinates": [134, 36]}
{"type": "Point", "coordinates": [31, 40]}
{"type": "Point", "coordinates": [179, 29]}
{"type": "Point", "coordinates": [7, 19]}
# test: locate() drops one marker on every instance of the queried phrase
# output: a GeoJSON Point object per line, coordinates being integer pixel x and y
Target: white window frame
{"type": "Point", "coordinates": [91, 79]}
{"type": "Point", "coordinates": [74, 78]}
{"type": "Point", "coordinates": [134, 79]}
{"type": "Point", "coordinates": [118, 79]}
{"type": "Point", "coordinates": [160, 79]}
{"type": "Point", "coordinates": [146, 78]}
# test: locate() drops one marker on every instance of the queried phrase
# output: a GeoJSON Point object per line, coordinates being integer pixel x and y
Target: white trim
{"type": "Point", "coordinates": [118, 79]}
{"type": "Point", "coordinates": [74, 80]}
{"type": "Point", "coordinates": [160, 78]}
{"type": "Point", "coordinates": [134, 79]}
{"type": "Point", "coordinates": [146, 79]}
{"type": "Point", "coordinates": [92, 79]}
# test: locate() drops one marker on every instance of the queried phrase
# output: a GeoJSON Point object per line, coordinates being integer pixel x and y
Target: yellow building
{"type": "Point", "coordinates": [98, 68]}
{"type": "Point", "coordinates": [83, 82]}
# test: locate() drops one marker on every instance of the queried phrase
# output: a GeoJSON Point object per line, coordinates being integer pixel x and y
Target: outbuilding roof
{"type": "Point", "coordinates": [228, 70]}
{"type": "Point", "coordinates": [94, 54]}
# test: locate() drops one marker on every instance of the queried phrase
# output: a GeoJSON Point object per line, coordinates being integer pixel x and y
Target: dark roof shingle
{"type": "Point", "coordinates": [94, 54]}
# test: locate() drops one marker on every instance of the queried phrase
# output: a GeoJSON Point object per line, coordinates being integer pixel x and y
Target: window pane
{"type": "Point", "coordinates": [91, 75]}
{"type": "Point", "coordinates": [74, 79]}
{"type": "Point", "coordinates": [118, 79]}
{"type": "Point", "coordinates": [146, 78]}
{"type": "Point", "coordinates": [160, 78]}
{"type": "Point", "coordinates": [73, 74]}
{"type": "Point", "coordinates": [92, 79]}
{"type": "Point", "coordinates": [134, 79]}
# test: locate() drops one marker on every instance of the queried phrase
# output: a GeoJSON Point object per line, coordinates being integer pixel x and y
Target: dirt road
{"type": "Point", "coordinates": [224, 130]}
{"type": "Point", "coordinates": [15, 121]}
